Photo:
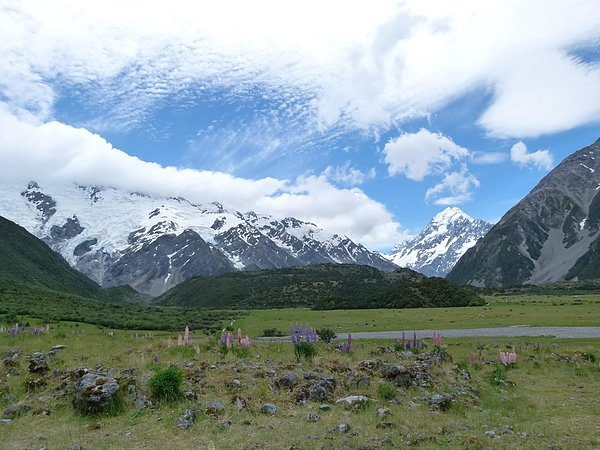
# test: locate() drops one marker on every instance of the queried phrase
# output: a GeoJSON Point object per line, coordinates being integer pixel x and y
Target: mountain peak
{"type": "Point", "coordinates": [451, 214]}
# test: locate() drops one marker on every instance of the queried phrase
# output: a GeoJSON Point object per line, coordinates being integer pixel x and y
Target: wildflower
{"type": "Point", "coordinates": [245, 342]}
{"type": "Point", "coordinates": [239, 335]}
{"type": "Point", "coordinates": [414, 339]}
{"type": "Point", "coordinates": [155, 359]}
{"type": "Point", "coordinates": [437, 339]}
{"type": "Point", "coordinates": [179, 341]}
{"type": "Point", "coordinates": [508, 358]}
{"type": "Point", "coordinates": [14, 331]}
{"type": "Point", "coordinates": [472, 358]}
{"type": "Point", "coordinates": [186, 336]}
{"type": "Point", "coordinates": [229, 340]}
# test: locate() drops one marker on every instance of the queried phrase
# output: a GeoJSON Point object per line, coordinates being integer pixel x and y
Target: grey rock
{"type": "Point", "coordinates": [313, 417]}
{"type": "Point", "coordinates": [354, 401]}
{"type": "Point", "coordinates": [38, 362]}
{"type": "Point", "coordinates": [214, 408]}
{"type": "Point", "coordinates": [369, 364]}
{"type": "Point", "coordinates": [14, 372]}
{"type": "Point", "coordinates": [269, 408]}
{"type": "Point", "coordinates": [287, 381]}
{"type": "Point", "coordinates": [441, 401]}
{"type": "Point", "coordinates": [224, 424]}
{"type": "Point", "coordinates": [75, 447]}
{"type": "Point", "coordinates": [382, 412]}
{"type": "Point", "coordinates": [238, 403]}
{"type": "Point", "coordinates": [343, 427]}
{"type": "Point", "coordinates": [325, 407]}
{"type": "Point", "coordinates": [490, 433]}
{"type": "Point", "coordinates": [14, 411]}
{"type": "Point", "coordinates": [95, 393]}
{"type": "Point", "coordinates": [5, 421]}
{"type": "Point", "coordinates": [323, 390]}
{"type": "Point", "coordinates": [187, 419]}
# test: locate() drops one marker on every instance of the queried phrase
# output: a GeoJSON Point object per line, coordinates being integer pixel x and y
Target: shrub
{"type": "Point", "coordinates": [498, 376]}
{"type": "Point", "coordinates": [165, 384]}
{"type": "Point", "coordinates": [306, 350]}
{"type": "Point", "coordinates": [272, 332]}
{"type": "Point", "coordinates": [387, 391]}
{"type": "Point", "coordinates": [590, 357]}
{"type": "Point", "coordinates": [326, 335]}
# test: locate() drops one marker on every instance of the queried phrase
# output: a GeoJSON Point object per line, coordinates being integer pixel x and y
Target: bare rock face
{"type": "Point", "coordinates": [96, 392]}
{"type": "Point", "coordinates": [551, 235]}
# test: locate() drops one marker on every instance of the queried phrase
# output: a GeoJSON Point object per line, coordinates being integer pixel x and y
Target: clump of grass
{"type": "Point", "coordinates": [306, 350]}
{"type": "Point", "coordinates": [387, 391]}
{"type": "Point", "coordinates": [326, 334]}
{"type": "Point", "coordinates": [498, 376]}
{"type": "Point", "coordinates": [165, 384]}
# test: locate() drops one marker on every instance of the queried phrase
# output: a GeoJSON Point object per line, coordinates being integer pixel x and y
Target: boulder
{"type": "Point", "coordinates": [354, 401]}
{"type": "Point", "coordinates": [186, 419]}
{"type": "Point", "coordinates": [38, 362]}
{"type": "Point", "coordinates": [95, 393]}
{"type": "Point", "coordinates": [14, 411]}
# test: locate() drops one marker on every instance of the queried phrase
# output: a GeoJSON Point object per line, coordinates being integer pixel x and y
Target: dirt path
{"type": "Point", "coordinates": [514, 331]}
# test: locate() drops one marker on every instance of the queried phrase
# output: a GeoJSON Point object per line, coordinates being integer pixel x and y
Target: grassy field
{"type": "Point", "coordinates": [549, 398]}
{"type": "Point", "coordinates": [578, 310]}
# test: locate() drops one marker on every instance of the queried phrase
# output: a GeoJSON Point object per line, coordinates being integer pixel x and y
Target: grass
{"type": "Point", "coordinates": [548, 399]}
{"type": "Point", "coordinates": [534, 310]}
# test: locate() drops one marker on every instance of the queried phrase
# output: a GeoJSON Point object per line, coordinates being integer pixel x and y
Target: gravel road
{"type": "Point", "coordinates": [514, 331]}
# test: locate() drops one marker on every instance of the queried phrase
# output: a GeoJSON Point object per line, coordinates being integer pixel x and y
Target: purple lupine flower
{"type": "Point", "coordinates": [403, 339]}
{"type": "Point", "coordinates": [407, 345]}
{"type": "Point", "coordinates": [155, 359]}
{"type": "Point", "coordinates": [14, 331]}
{"type": "Point", "coordinates": [414, 339]}
{"type": "Point", "coordinates": [223, 339]}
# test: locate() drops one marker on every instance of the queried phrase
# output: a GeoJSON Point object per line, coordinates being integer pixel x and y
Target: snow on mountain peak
{"type": "Point", "coordinates": [451, 214]}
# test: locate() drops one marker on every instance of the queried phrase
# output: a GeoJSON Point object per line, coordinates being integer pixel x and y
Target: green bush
{"type": "Point", "coordinates": [326, 335]}
{"type": "Point", "coordinates": [272, 332]}
{"type": "Point", "coordinates": [165, 384]}
{"type": "Point", "coordinates": [498, 376]}
{"type": "Point", "coordinates": [387, 391]}
{"type": "Point", "coordinates": [306, 350]}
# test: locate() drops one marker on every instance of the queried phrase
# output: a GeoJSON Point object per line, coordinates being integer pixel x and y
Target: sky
{"type": "Point", "coordinates": [366, 118]}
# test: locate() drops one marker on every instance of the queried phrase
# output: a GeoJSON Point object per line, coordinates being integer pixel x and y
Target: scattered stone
{"type": "Point", "coordinates": [224, 424]}
{"type": "Point", "coordinates": [313, 417]}
{"type": "Point", "coordinates": [38, 363]}
{"type": "Point", "coordinates": [491, 434]}
{"type": "Point", "coordinates": [187, 419]}
{"type": "Point", "coordinates": [343, 427]}
{"type": "Point", "coordinates": [5, 421]}
{"type": "Point", "coordinates": [238, 403]}
{"type": "Point", "coordinates": [385, 425]}
{"type": "Point", "coordinates": [95, 393]}
{"type": "Point", "coordinates": [323, 390]}
{"type": "Point", "coordinates": [75, 447]}
{"type": "Point", "coordinates": [11, 359]}
{"type": "Point", "coordinates": [235, 384]}
{"type": "Point", "coordinates": [287, 381]}
{"type": "Point", "coordinates": [385, 439]}
{"type": "Point", "coordinates": [41, 411]}
{"type": "Point", "coordinates": [269, 408]}
{"type": "Point", "coordinates": [247, 422]}
{"type": "Point", "coordinates": [214, 408]}
{"type": "Point", "coordinates": [325, 407]}
{"type": "Point", "coordinates": [356, 380]}
{"type": "Point", "coordinates": [383, 412]}
{"type": "Point", "coordinates": [58, 347]}
{"type": "Point", "coordinates": [369, 364]}
{"type": "Point", "coordinates": [14, 411]}
{"type": "Point", "coordinates": [189, 394]}
{"type": "Point", "coordinates": [441, 401]}
{"type": "Point", "coordinates": [96, 426]}
{"type": "Point", "coordinates": [354, 401]}
{"type": "Point", "coordinates": [14, 372]}
{"type": "Point", "coordinates": [506, 429]}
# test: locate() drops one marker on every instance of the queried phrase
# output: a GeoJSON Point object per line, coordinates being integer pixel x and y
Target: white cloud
{"type": "Point", "coordinates": [420, 154]}
{"type": "Point", "coordinates": [485, 158]}
{"type": "Point", "coordinates": [347, 175]}
{"type": "Point", "coordinates": [542, 159]}
{"type": "Point", "coordinates": [456, 185]}
{"type": "Point", "coordinates": [52, 151]}
{"type": "Point", "coordinates": [344, 62]}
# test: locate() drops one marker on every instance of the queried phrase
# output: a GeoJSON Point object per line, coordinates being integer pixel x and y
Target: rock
{"type": "Point", "coordinates": [313, 417]}
{"type": "Point", "coordinates": [5, 421]}
{"type": "Point", "coordinates": [11, 359]}
{"type": "Point", "coordinates": [287, 381]}
{"type": "Point", "coordinates": [214, 408]}
{"type": "Point", "coordinates": [235, 384]}
{"type": "Point", "coordinates": [224, 424]}
{"type": "Point", "coordinates": [75, 447]}
{"type": "Point", "coordinates": [238, 403]}
{"type": "Point", "coordinates": [385, 425]}
{"type": "Point", "coordinates": [325, 407]}
{"type": "Point", "coordinates": [491, 434]}
{"type": "Point", "coordinates": [14, 372]}
{"type": "Point", "coordinates": [58, 347]}
{"type": "Point", "coordinates": [354, 401]}
{"type": "Point", "coordinates": [356, 380]}
{"type": "Point", "coordinates": [95, 393]}
{"type": "Point", "coordinates": [14, 411]}
{"type": "Point", "coordinates": [390, 370]}
{"type": "Point", "coordinates": [38, 362]}
{"type": "Point", "coordinates": [435, 358]}
{"type": "Point", "coordinates": [441, 401]}
{"type": "Point", "coordinates": [35, 381]}
{"type": "Point", "coordinates": [369, 364]}
{"type": "Point", "coordinates": [383, 412]}
{"type": "Point", "coordinates": [269, 408]}
{"type": "Point", "coordinates": [41, 410]}
{"type": "Point", "coordinates": [187, 419]}
{"type": "Point", "coordinates": [343, 427]}
{"type": "Point", "coordinates": [323, 389]}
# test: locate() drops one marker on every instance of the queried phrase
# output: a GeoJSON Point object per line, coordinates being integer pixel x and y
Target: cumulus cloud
{"type": "Point", "coordinates": [542, 159]}
{"type": "Point", "coordinates": [342, 62]}
{"type": "Point", "coordinates": [53, 151]}
{"type": "Point", "coordinates": [347, 175]}
{"type": "Point", "coordinates": [454, 189]}
{"type": "Point", "coordinates": [417, 155]}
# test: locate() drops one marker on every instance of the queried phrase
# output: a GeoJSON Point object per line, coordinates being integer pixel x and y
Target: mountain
{"type": "Point", "coordinates": [26, 259]}
{"type": "Point", "coordinates": [550, 235]}
{"type": "Point", "coordinates": [441, 244]}
{"type": "Point", "coordinates": [320, 286]}
{"type": "Point", "coordinates": [150, 243]}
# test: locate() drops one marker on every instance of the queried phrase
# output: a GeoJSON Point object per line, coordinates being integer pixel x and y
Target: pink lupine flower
{"type": "Point", "coordinates": [186, 336]}
{"type": "Point", "coordinates": [508, 358]}
{"type": "Point", "coordinates": [472, 358]}
{"type": "Point", "coordinates": [239, 336]}
{"type": "Point", "coordinates": [437, 339]}
{"type": "Point", "coordinates": [179, 341]}
{"type": "Point", "coordinates": [229, 340]}
{"type": "Point", "coordinates": [245, 342]}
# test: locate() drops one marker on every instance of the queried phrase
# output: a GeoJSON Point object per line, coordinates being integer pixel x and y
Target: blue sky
{"type": "Point", "coordinates": [365, 119]}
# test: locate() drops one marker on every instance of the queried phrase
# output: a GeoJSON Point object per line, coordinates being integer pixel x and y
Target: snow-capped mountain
{"type": "Point", "coordinates": [441, 244]}
{"type": "Point", "coordinates": [117, 237]}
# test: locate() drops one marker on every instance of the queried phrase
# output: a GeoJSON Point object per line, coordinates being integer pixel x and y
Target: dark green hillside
{"type": "Point", "coordinates": [323, 286]}
{"type": "Point", "coordinates": [25, 258]}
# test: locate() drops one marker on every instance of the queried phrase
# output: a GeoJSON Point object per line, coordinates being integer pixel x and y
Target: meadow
{"type": "Point", "coordinates": [547, 399]}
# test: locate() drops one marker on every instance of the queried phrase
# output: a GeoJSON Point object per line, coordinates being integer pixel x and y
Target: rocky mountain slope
{"type": "Point", "coordinates": [152, 244]}
{"type": "Point", "coordinates": [441, 244]}
{"type": "Point", "coordinates": [551, 235]}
